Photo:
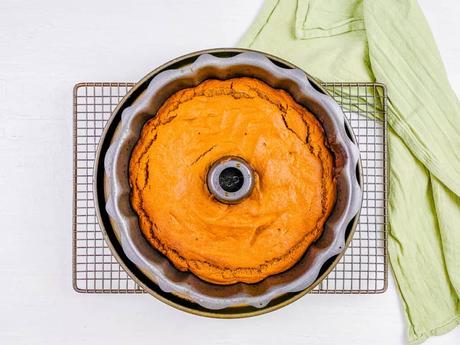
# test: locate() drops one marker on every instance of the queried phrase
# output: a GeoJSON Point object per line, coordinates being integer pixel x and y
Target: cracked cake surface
{"type": "Point", "coordinates": [270, 230]}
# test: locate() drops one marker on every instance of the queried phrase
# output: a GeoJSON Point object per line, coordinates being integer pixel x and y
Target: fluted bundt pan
{"type": "Point", "coordinates": [321, 256]}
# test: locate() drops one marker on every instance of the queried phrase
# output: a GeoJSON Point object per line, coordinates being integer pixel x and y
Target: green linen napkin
{"type": "Point", "coordinates": [390, 42]}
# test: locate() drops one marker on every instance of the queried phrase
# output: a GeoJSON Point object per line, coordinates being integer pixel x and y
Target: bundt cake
{"type": "Point", "coordinates": [294, 187]}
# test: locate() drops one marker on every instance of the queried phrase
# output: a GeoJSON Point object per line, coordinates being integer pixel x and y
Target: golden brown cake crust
{"type": "Point", "coordinates": [266, 233]}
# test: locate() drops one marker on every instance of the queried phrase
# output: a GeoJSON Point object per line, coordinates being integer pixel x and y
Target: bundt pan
{"type": "Point", "coordinates": [119, 222]}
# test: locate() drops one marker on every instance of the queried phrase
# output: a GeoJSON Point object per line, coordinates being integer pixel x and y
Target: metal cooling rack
{"type": "Point", "coordinates": [363, 268]}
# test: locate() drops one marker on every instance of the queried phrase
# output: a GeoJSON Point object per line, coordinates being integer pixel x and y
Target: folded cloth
{"type": "Point", "coordinates": [390, 42]}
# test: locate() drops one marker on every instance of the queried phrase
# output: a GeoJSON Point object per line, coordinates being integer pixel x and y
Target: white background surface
{"type": "Point", "coordinates": [45, 48]}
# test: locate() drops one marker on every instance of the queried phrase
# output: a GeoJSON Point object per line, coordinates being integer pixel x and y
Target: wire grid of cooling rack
{"type": "Point", "coordinates": [361, 270]}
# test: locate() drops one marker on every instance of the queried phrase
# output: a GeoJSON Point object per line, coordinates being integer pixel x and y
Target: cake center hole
{"type": "Point", "coordinates": [231, 179]}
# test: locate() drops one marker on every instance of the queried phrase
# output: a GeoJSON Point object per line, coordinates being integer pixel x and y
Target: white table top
{"type": "Point", "coordinates": [45, 48]}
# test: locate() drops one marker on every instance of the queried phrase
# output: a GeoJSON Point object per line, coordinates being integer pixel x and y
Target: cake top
{"type": "Point", "coordinates": [293, 189]}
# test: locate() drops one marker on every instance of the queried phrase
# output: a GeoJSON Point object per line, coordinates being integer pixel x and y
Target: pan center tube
{"type": "Point", "coordinates": [230, 179]}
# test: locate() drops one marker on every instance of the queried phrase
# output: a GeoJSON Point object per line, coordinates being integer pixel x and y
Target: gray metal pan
{"type": "Point", "coordinates": [135, 112]}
